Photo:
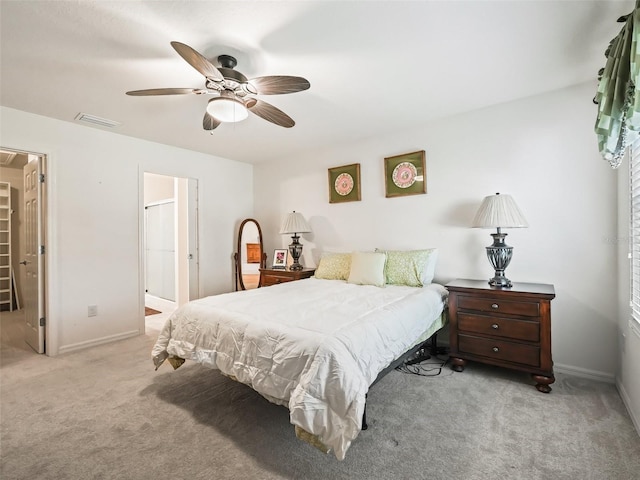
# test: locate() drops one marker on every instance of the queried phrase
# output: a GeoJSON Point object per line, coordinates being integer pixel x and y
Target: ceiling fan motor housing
{"type": "Point", "coordinates": [232, 75]}
{"type": "Point", "coordinates": [227, 61]}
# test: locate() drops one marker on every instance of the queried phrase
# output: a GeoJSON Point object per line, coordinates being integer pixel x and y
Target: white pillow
{"type": "Point", "coordinates": [367, 268]}
{"type": "Point", "coordinates": [430, 271]}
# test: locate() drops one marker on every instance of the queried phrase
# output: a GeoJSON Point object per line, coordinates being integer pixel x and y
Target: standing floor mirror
{"type": "Point", "coordinates": [250, 256]}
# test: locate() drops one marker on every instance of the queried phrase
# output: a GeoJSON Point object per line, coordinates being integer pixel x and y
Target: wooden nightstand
{"type": "Point", "coordinates": [508, 327]}
{"type": "Point", "coordinates": [273, 276]}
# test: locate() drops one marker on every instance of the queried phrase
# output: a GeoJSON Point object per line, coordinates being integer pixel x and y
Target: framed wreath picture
{"type": "Point", "coordinates": [405, 174]}
{"type": "Point", "coordinates": [344, 183]}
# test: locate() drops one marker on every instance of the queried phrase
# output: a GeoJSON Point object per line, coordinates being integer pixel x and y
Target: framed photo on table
{"type": "Point", "coordinates": [405, 174]}
{"type": "Point", "coordinates": [344, 183]}
{"type": "Point", "coordinates": [280, 258]}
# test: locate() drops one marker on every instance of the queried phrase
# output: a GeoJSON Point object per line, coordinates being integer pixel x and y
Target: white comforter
{"type": "Point", "coordinates": [312, 345]}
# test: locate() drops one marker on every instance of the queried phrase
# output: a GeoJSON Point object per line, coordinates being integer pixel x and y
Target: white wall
{"type": "Point", "coordinates": [95, 183]}
{"type": "Point", "coordinates": [542, 150]}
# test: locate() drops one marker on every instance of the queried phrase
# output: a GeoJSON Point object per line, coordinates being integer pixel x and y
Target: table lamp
{"type": "Point", "coordinates": [295, 223]}
{"type": "Point", "coordinates": [499, 211]}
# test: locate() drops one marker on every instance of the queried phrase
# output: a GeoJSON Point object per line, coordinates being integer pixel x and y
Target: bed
{"type": "Point", "coordinates": [314, 345]}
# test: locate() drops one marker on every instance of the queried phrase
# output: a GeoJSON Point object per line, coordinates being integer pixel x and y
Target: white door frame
{"type": "Point", "coordinates": [49, 228]}
{"type": "Point", "coordinates": [194, 263]}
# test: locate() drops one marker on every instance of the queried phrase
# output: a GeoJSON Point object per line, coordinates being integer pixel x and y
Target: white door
{"type": "Point", "coordinates": [160, 250]}
{"type": "Point", "coordinates": [33, 261]}
{"type": "Point", "coordinates": [193, 240]}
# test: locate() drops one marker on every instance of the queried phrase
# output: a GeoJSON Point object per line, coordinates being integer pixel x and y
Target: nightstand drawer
{"type": "Point", "coordinates": [271, 276]}
{"type": "Point", "coordinates": [499, 350]}
{"type": "Point", "coordinates": [500, 327]}
{"type": "Point", "coordinates": [272, 279]}
{"type": "Point", "coordinates": [495, 305]}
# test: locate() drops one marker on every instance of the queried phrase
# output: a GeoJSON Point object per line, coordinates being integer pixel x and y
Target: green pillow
{"type": "Point", "coordinates": [414, 268]}
{"type": "Point", "coordinates": [334, 266]}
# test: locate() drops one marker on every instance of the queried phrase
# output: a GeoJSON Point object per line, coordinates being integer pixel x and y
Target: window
{"type": "Point", "coordinates": [634, 233]}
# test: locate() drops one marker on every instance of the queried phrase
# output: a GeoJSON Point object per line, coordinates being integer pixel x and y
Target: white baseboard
{"type": "Point", "coordinates": [97, 341]}
{"type": "Point", "coordinates": [568, 369]}
{"type": "Point", "coordinates": [627, 403]}
{"type": "Point", "coordinates": [585, 373]}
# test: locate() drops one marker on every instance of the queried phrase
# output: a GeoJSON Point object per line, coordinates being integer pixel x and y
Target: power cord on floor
{"type": "Point", "coordinates": [424, 364]}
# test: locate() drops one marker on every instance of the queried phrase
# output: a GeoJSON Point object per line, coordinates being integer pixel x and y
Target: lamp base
{"type": "Point", "coordinates": [500, 282]}
{"type": "Point", "coordinates": [499, 254]}
{"type": "Point", "coordinates": [295, 248]}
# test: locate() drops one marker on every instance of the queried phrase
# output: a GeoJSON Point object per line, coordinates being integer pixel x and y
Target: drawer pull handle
{"type": "Point", "coordinates": [494, 305]}
{"type": "Point", "coordinates": [495, 326]}
{"type": "Point", "coordinates": [277, 280]}
{"type": "Point", "coordinates": [496, 349]}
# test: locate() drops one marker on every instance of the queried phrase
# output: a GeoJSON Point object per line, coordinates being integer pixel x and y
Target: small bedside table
{"type": "Point", "coordinates": [507, 327]}
{"type": "Point", "coordinates": [273, 276]}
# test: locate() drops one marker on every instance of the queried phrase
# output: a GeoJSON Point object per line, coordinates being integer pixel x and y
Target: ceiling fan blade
{"type": "Point", "coordinates": [162, 91]}
{"type": "Point", "coordinates": [279, 84]}
{"type": "Point", "coordinates": [209, 123]}
{"type": "Point", "coordinates": [269, 113]}
{"type": "Point", "coordinates": [197, 61]}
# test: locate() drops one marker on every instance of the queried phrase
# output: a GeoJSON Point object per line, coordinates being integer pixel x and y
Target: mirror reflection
{"type": "Point", "coordinates": [249, 255]}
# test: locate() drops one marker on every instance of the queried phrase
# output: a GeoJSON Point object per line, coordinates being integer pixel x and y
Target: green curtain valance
{"type": "Point", "coordinates": [618, 121]}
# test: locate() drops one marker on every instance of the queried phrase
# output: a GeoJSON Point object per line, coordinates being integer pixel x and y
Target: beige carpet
{"type": "Point", "coordinates": [104, 413]}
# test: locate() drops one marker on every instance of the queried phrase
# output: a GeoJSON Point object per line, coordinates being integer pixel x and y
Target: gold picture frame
{"type": "Point", "coordinates": [405, 174]}
{"type": "Point", "coordinates": [344, 183]}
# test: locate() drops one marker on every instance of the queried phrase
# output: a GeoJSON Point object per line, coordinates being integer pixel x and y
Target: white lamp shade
{"type": "Point", "coordinates": [499, 211]}
{"type": "Point", "coordinates": [295, 223]}
{"type": "Point", "coordinates": [227, 109]}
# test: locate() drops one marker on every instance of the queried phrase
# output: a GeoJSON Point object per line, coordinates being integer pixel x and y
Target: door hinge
{"type": "Point", "coordinates": [42, 322]}
{"type": "Point", "coordinates": [41, 249]}
{"type": "Point", "coordinates": [42, 178]}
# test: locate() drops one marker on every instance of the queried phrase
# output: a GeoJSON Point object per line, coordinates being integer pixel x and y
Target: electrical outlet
{"type": "Point", "coordinates": [92, 310]}
{"type": "Point", "coordinates": [623, 343]}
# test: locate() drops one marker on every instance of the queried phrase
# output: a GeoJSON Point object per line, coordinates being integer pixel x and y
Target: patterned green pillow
{"type": "Point", "coordinates": [414, 268]}
{"type": "Point", "coordinates": [334, 266]}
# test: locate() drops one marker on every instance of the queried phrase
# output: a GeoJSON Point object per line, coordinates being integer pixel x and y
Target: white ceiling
{"type": "Point", "coordinates": [374, 66]}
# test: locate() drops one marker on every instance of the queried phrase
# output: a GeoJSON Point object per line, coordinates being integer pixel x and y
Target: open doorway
{"type": "Point", "coordinates": [22, 249]}
{"type": "Point", "coordinates": [170, 250]}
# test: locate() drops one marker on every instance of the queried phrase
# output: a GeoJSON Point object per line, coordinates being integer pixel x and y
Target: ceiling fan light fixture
{"type": "Point", "coordinates": [227, 109]}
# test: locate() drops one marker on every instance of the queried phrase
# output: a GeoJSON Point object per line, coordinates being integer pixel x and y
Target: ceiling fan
{"type": "Point", "coordinates": [231, 91]}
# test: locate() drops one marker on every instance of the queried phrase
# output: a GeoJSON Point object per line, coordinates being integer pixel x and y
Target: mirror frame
{"type": "Point", "coordinates": [238, 255]}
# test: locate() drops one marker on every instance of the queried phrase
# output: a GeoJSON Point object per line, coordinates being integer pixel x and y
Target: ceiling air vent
{"type": "Point", "coordinates": [92, 119]}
